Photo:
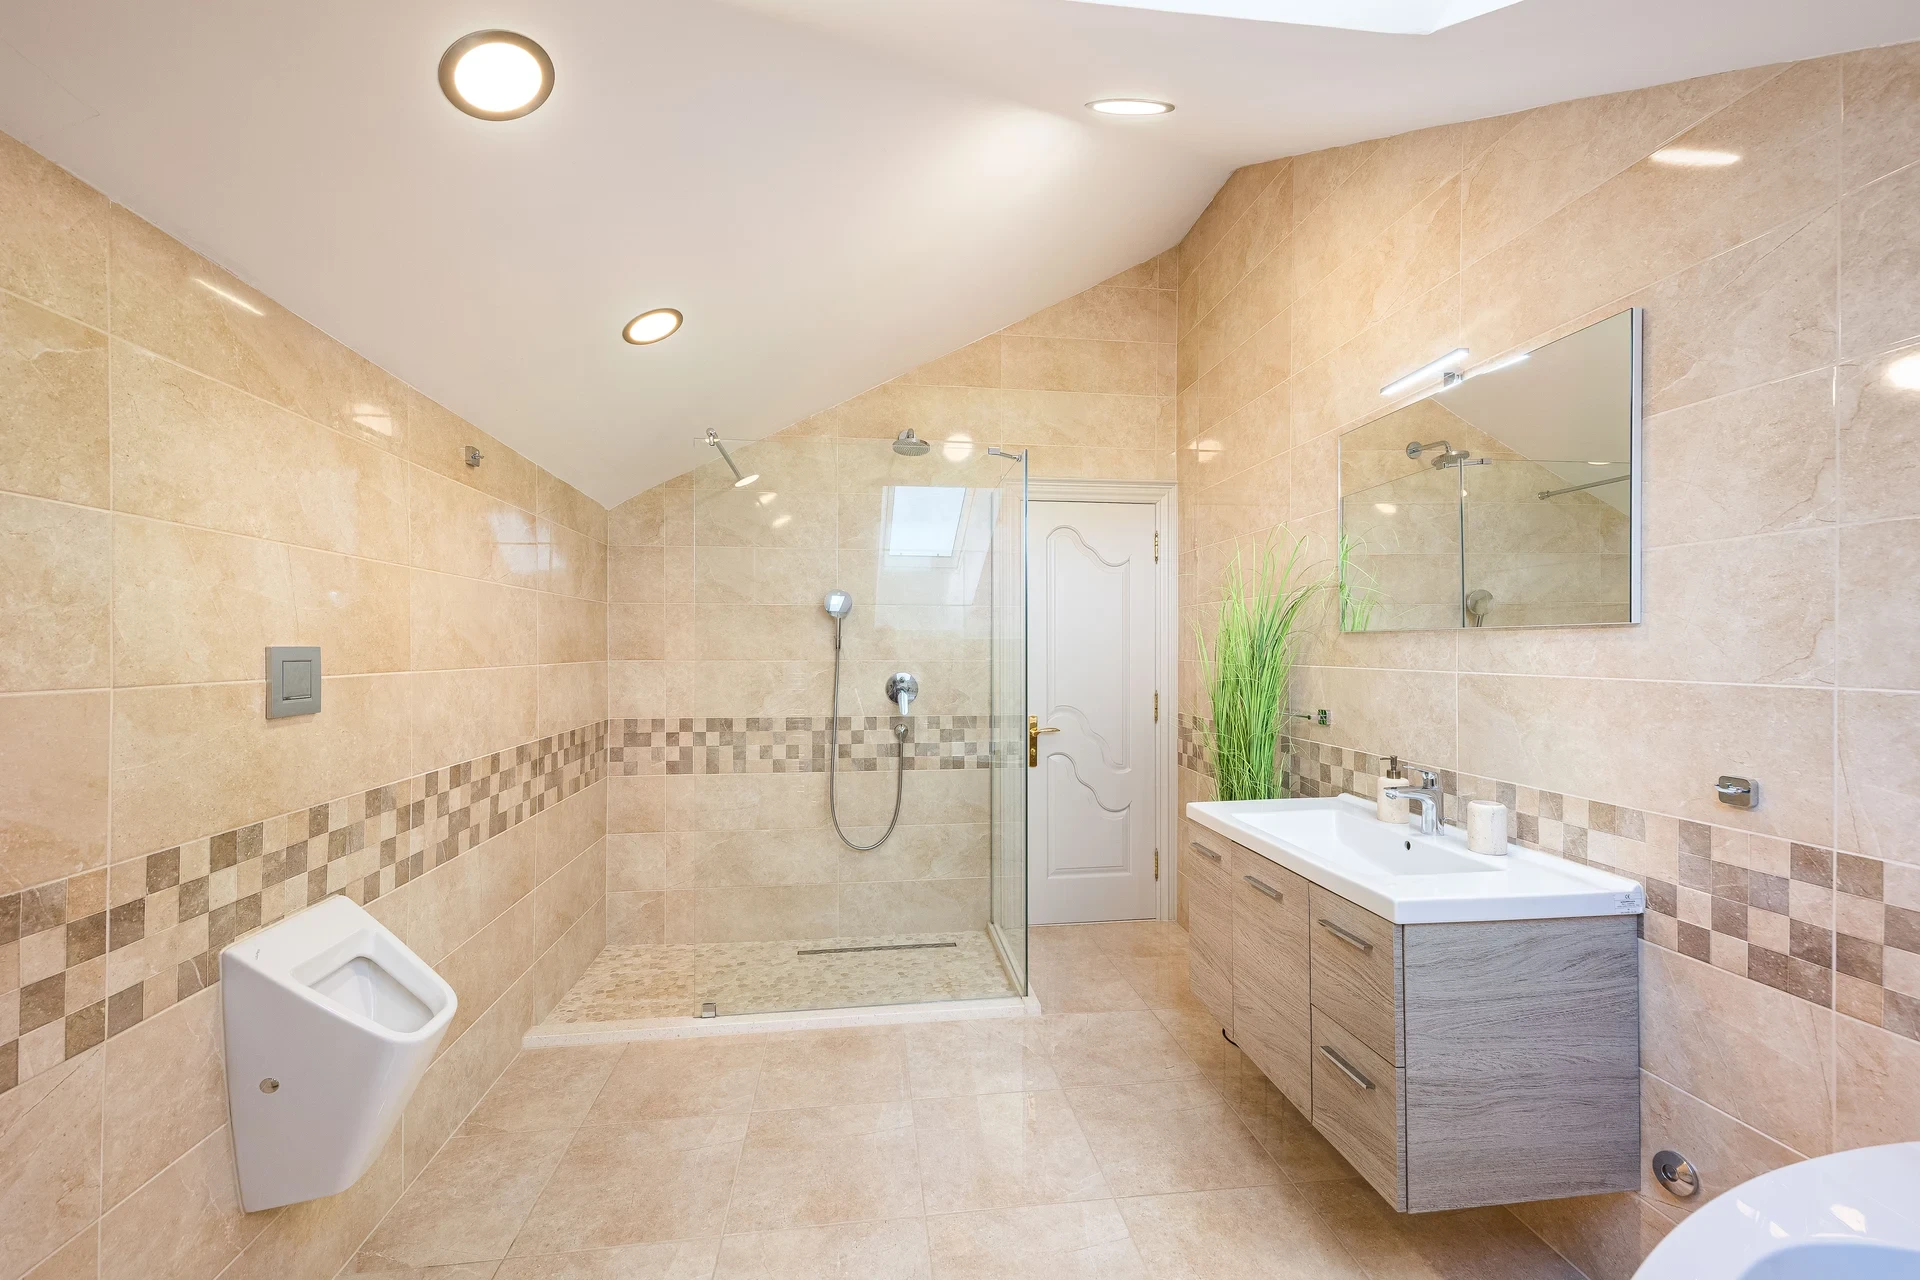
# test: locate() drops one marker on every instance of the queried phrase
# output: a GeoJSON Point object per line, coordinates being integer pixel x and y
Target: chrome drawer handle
{"type": "Point", "coordinates": [1346, 1068]}
{"type": "Point", "coordinates": [1265, 888]}
{"type": "Point", "coordinates": [1204, 852]}
{"type": "Point", "coordinates": [1350, 938]}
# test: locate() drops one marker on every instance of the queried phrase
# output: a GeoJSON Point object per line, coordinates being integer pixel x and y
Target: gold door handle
{"type": "Point", "coordinates": [1033, 740]}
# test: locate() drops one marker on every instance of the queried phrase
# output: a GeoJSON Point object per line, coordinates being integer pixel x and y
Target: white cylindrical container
{"type": "Point", "coordinates": [1486, 826]}
{"type": "Point", "coordinates": [1390, 810]}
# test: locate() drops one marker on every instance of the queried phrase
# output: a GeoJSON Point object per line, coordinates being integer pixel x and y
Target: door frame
{"type": "Point", "coordinates": [1163, 496]}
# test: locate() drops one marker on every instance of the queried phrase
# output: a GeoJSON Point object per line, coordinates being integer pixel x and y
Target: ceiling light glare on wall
{"type": "Point", "coordinates": [496, 75]}
{"type": "Point", "coordinates": [1904, 373]}
{"type": "Point", "coordinates": [1692, 158]}
{"type": "Point", "coordinates": [1129, 107]}
{"type": "Point", "coordinates": [651, 326]}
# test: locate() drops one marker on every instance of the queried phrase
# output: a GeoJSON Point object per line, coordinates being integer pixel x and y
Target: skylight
{"type": "Point", "coordinates": [924, 520]}
{"type": "Point", "coordinates": [1393, 17]}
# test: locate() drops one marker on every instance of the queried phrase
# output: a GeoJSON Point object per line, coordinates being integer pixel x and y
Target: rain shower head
{"type": "Point", "coordinates": [739, 481]}
{"type": "Point", "coordinates": [1448, 454]}
{"type": "Point", "coordinates": [839, 604]}
{"type": "Point", "coordinates": [909, 445]}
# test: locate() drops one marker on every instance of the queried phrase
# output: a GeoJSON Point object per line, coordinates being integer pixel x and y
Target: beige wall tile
{"type": "Point", "coordinates": [636, 804]}
{"type": "Point", "coordinates": [54, 597]}
{"type": "Point", "coordinates": [566, 829]}
{"type": "Point", "coordinates": [317, 1237]}
{"type": "Point", "coordinates": [975, 365]}
{"type": "Point", "coordinates": [1879, 265]}
{"type": "Point", "coordinates": [77, 1259]}
{"type": "Point", "coordinates": [191, 450]}
{"type": "Point", "coordinates": [1876, 1086]}
{"type": "Point", "coordinates": [576, 565]}
{"type": "Point", "coordinates": [751, 914]}
{"type": "Point", "coordinates": [1879, 796]}
{"type": "Point", "coordinates": [166, 1091]}
{"type": "Point", "coordinates": [1724, 1151]}
{"type": "Point", "coordinates": [564, 898]}
{"type": "Point", "coordinates": [461, 1076]}
{"type": "Point", "coordinates": [1878, 604]}
{"type": "Point", "coordinates": [50, 1146]}
{"type": "Point", "coordinates": [1068, 364]}
{"type": "Point", "coordinates": [53, 403]}
{"type": "Point", "coordinates": [53, 786]}
{"type": "Point", "coordinates": [463, 531]}
{"type": "Point", "coordinates": [1879, 471]}
{"type": "Point", "coordinates": [189, 760]}
{"type": "Point", "coordinates": [459, 715]}
{"type": "Point", "coordinates": [649, 689]}
{"type": "Point", "coordinates": [635, 919]}
{"type": "Point", "coordinates": [1882, 130]}
{"type": "Point", "coordinates": [476, 888]}
{"type": "Point", "coordinates": [486, 965]}
{"type": "Point", "coordinates": [571, 630]}
{"type": "Point", "coordinates": [561, 965]}
{"type": "Point", "coordinates": [1107, 313]}
{"type": "Point", "coordinates": [465, 622]}
{"type": "Point", "coordinates": [1657, 747]}
{"type": "Point", "coordinates": [53, 236]}
{"type": "Point", "coordinates": [170, 300]}
{"type": "Point", "coordinates": [556, 500]}
{"type": "Point", "coordinates": [186, 1222]}
{"type": "Point", "coordinates": [571, 694]}
{"type": "Point", "coordinates": [1415, 253]}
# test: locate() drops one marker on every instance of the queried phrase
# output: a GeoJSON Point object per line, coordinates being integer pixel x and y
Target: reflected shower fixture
{"type": "Point", "coordinates": [1449, 456]}
{"type": "Point", "coordinates": [739, 481]}
{"type": "Point", "coordinates": [909, 445]}
{"type": "Point", "coordinates": [1447, 366]}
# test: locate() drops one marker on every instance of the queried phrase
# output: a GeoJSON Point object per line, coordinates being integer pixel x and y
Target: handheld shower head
{"type": "Point", "coordinates": [839, 604]}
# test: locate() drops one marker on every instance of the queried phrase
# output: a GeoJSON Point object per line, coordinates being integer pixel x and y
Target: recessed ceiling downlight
{"type": "Point", "coordinates": [652, 326]}
{"type": "Point", "coordinates": [496, 75]}
{"type": "Point", "coordinates": [1129, 107]}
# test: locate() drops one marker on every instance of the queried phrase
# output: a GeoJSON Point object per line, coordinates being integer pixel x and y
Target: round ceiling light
{"type": "Point", "coordinates": [496, 75]}
{"type": "Point", "coordinates": [1129, 107]}
{"type": "Point", "coordinates": [652, 326]}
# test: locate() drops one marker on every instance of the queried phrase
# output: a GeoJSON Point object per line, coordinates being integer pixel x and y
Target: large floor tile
{"type": "Point", "coordinates": [677, 1260]}
{"type": "Point", "coordinates": [1471, 1244]}
{"type": "Point", "coordinates": [544, 1089]}
{"type": "Point", "coordinates": [894, 1250]}
{"type": "Point", "coordinates": [987, 1055]}
{"type": "Point", "coordinates": [1252, 1233]}
{"type": "Point", "coordinates": [1086, 1241]}
{"type": "Point", "coordinates": [1113, 1048]}
{"type": "Point", "coordinates": [1155, 1139]}
{"type": "Point", "coordinates": [831, 1164]}
{"type": "Point", "coordinates": [660, 1079]}
{"type": "Point", "coordinates": [467, 1204]}
{"type": "Point", "coordinates": [825, 1068]}
{"type": "Point", "coordinates": [1003, 1150]}
{"type": "Point", "coordinates": [632, 1184]}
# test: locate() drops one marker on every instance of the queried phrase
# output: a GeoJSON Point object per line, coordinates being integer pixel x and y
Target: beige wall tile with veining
{"type": "Point", "coordinates": [576, 564]}
{"type": "Point", "coordinates": [486, 965]}
{"type": "Point", "coordinates": [1760, 1055]}
{"type": "Point", "coordinates": [1879, 265]}
{"type": "Point", "coordinates": [748, 914]}
{"type": "Point", "coordinates": [1877, 1086]}
{"type": "Point", "coordinates": [459, 715]}
{"type": "Point", "coordinates": [54, 595]}
{"type": "Point", "coordinates": [1546, 158]}
{"type": "Point", "coordinates": [461, 1076]}
{"type": "Point", "coordinates": [1723, 1151]}
{"type": "Point", "coordinates": [190, 760]}
{"type": "Point", "coordinates": [914, 906]}
{"type": "Point", "coordinates": [50, 1147]}
{"type": "Point", "coordinates": [456, 529]}
{"type": "Point", "coordinates": [1414, 254]}
{"type": "Point", "coordinates": [571, 629]}
{"type": "Point", "coordinates": [556, 500]}
{"type": "Point", "coordinates": [1344, 387]}
{"type": "Point", "coordinates": [650, 632]}
{"type": "Point", "coordinates": [1105, 312]}
{"type": "Point", "coordinates": [975, 365]}
{"type": "Point", "coordinates": [317, 1237]}
{"type": "Point", "coordinates": [1607, 1237]}
{"type": "Point", "coordinates": [635, 919]}
{"type": "Point", "coordinates": [53, 235]}
{"type": "Point", "coordinates": [572, 694]}
{"type": "Point", "coordinates": [1393, 176]}
{"type": "Point", "coordinates": [564, 898]}
{"type": "Point", "coordinates": [53, 786]}
{"type": "Point", "coordinates": [1409, 713]}
{"type": "Point", "coordinates": [1882, 130]}
{"type": "Point", "coordinates": [165, 1091]}
{"type": "Point", "coordinates": [191, 450]}
{"type": "Point", "coordinates": [170, 300]}
{"type": "Point", "coordinates": [1879, 605]}
{"type": "Point", "coordinates": [1879, 469]}
{"type": "Point", "coordinates": [464, 622]}
{"type": "Point", "coordinates": [1785, 479]}
{"type": "Point", "coordinates": [77, 1259]}
{"type": "Point", "coordinates": [649, 690]}
{"type": "Point", "coordinates": [53, 404]}
{"type": "Point", "coordinates": [186, 1222]}
{"type": "Point", "coordinates": [1070, 364]}
{"type": "Point", "coordinates": [1879, 790]}
{"type": "Point", "coordinates": [1656, 746]}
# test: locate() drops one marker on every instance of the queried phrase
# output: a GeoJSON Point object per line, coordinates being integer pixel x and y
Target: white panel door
{"type": "Point", "coordinates": [1092, 818]}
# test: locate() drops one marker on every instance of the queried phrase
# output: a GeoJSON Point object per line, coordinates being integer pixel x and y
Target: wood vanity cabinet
{"type": "Point", "coordinates": [1453, 1065]}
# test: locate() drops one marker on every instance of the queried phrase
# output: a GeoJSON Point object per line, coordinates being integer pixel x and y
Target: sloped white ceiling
{"type": "Point", "coordinates": [832, 190]}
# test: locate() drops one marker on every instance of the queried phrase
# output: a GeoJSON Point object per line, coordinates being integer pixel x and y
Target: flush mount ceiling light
{"type": "Point", "coordinates": [1129, 107]}
{"type": "Point", "coordinates": [652, 326]}
{"type": "Point", "coordinates": [496, 75]}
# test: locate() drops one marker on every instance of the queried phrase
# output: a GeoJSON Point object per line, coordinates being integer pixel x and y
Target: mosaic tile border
{"type": "Point", "coordinates": [1750, 904]}
{"type": "Point", "coordinates": [100, 952]}
{"type": "Point", "coordinates": [791, 744]}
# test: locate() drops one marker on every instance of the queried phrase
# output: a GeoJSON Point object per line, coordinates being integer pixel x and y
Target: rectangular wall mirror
{"type": "Point", "coordinates": [1509, 497]}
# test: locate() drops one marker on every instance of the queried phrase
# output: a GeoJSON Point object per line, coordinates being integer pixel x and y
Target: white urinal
{"type": "Point", "coordinates": [330, 1023]}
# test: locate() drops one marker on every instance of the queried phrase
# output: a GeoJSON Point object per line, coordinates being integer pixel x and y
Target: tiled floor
{"type": "Point", "coordinates": [670, 981]}
{"type": "Point", "coordinates": [1117, 1137]}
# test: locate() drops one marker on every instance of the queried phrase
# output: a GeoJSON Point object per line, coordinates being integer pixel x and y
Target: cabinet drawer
{"type": "Point", "coordinates": [1356, 971]}
{"type": "Point", "coordinates": [1356, 1105]}
{"type": "Point", "coordinates": [1270, 1019]}
{"type": "Point", "coordinates": [1205, 855]}
{"type": "Point", "coordinates": [1210, 945]}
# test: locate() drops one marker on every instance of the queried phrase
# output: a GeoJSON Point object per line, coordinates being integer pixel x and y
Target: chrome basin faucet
{"type": "Point", "coordinates": [1428, 798]}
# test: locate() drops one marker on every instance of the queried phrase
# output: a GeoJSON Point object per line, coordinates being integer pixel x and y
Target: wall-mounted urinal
{"type": "Point", "coordinates": [330, 1023]}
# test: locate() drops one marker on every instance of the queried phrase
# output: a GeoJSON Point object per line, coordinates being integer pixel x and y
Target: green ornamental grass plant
{"type": "Point", "coordinates": [1246, 668]}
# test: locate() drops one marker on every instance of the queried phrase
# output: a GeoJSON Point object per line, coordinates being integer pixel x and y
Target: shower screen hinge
{"type": "Point", "coordinates": [1156, 864]}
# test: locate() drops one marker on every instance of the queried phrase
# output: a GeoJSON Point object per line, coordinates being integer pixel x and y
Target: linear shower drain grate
{"type": "Point", "coordinates": [892, 946]}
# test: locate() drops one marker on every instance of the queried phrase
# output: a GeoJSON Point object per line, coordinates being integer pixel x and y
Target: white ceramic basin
{"type": "Point", "coordinates": [1411, 879]}
{"type": "Point", "coordinates": [1855, 1214]}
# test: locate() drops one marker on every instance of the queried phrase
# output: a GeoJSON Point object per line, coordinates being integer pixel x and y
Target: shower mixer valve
{"type": "Point", "coordinates": [902, 689]}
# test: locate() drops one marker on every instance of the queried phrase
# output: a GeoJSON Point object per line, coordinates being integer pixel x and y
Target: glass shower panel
{"type": "Point", "coordinates": [1007, 724]}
